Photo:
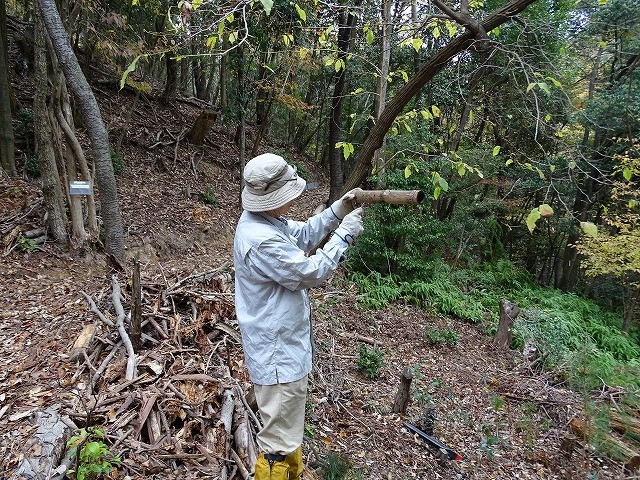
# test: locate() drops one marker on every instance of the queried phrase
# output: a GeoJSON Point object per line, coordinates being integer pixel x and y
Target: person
{"type": "Point", "coordinates": [273, 270]}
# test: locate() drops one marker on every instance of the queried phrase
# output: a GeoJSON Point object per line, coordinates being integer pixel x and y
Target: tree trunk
{"type": "Point", "coordinates": [335, 123]}
{"type": "Point", "coordinates": [385, 57]}
{"type": "Point", "coordinates": [7, 141]}
{"type": "Point", "coordinates": [199, 77]}
{"type": "Point", "coordinates": [171, 85]}
{"type": "Point", "coordinates": [508, 313]}
{"type": "Point", "coordinates": [51, 189]}
{"type": "Point", "coordinates": [630, 301]}
{"type": "Point", "coordinates": [435, 64]}
{"type": "Point", "coordinates": [112, 220]}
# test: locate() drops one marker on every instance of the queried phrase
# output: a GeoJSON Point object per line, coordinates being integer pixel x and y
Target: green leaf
{"type": "Point", "coordinates": [436, 32]}
{"type": "Point", "coordinates": [443, 184]}
{"type": "Point", "coordinates": [555, 82]}
{"type": "Point", "coordinates": [452, 28]}
{"type": "Point", "coordinates": [532, 218]}
{"type": "Point", "coordinates": [540, 174]}
{"type": "Point", "coordinates": [301, 13]}
{"type": "Point", "coordinates": [436, 192]}
{"type": "Point", "coordinates": [130, 68]}
{"type": "Point", "coordinates": [357, 91]}
{"type": "Point", "coordinates": [589, 228]}
{"type": "Point", "coordinates": [405, 76]}
{"type": "Point", "coordinates": [267, 5]}
{"type": "Point", "coordinates": [571, 165]}
{"type": "Point", "coordinates": [417, 43]}
{"type": "Point", "coordinates": [508, 162]}
{"type": "Point", "coordinates": [545, 210]}
{"type": "Point", "coordinates": [407, 171]}
{"type": "Point", "coordinates": [436, 110]}
{"type": "Point", "coordinates": [211, 42]}
{"type": "Point", "coordinates": [426, 114]}
{"type": "Point", "coordinates": [496, 150]}
{"type": "Point", "coordinates": [544, 87]}
{"type": "Point", "coordinates": [626, 173]}
{"type": "Point", "coordinates": [462, 169]}
{"type": "Point", "coordinates": [369, 37]}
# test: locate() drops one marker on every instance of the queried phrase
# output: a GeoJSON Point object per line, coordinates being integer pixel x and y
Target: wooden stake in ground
{"type": "Point", "coordinates": [508, 313]}
{"type": "Point", "coordinates": [404, 392]}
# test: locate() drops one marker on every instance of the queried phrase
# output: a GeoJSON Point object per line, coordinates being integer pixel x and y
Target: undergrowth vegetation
{"type": "Point", "coordinates": [400, 258]}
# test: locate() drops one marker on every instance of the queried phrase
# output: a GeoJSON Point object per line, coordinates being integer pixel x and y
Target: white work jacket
{"type": "Point", "coordinates": [272, 275]}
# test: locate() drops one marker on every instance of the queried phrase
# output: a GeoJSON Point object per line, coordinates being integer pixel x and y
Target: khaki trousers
{"type": "Point", "coordinates": [281, 408]}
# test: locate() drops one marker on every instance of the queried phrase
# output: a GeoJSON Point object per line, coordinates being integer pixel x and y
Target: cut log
{"type": "Point", "coordinates": [82, 342]}
{"type": "Point", "coordinates": [610, 446]}
{"type": "Point", "coordinates": [45, 449]}
{"type": "Point", "coordinates": [404, 392]}
{"type": "Point", "coordinates": [626, 425]}
{"type": "Point", "coordinates": [508, 313]}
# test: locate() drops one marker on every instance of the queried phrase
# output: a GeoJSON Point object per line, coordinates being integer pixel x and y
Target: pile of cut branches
{"type": "Point", "coordinates": [171, 401]}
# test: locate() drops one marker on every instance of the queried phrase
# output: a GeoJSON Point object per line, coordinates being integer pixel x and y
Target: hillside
{"type": "Point", "coordinates": [507, 420]}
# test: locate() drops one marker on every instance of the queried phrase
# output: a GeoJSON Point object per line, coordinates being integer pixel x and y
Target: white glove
{"type": "Point", "coordinates": [345, 204]}
{"type": "Point", "coordinates": [350, 227]}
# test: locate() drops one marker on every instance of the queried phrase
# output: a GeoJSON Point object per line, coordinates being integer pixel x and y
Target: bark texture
{"type": "Point", "coordinates": [105, 178]}
{"type": "Point", "coordinates": [51, 188]}
{"type": "Point", "coordinates": [7, 141]}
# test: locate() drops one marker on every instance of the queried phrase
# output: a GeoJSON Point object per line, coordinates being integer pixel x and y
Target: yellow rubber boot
{"type": "Point", "coordinates": [271, 467]}
{"type": "Point", "coordinates": [295, 464]}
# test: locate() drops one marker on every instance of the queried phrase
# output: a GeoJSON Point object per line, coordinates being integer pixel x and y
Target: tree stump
{"type": "Point", "coordinates": [403, 393]}
{"type": "Point", "coordinates": [201, 127]}
{"type": "Point", "coordinates": [508, 313]}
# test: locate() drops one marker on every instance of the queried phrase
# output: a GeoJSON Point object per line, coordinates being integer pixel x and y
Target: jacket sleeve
{"type": "Point", "coordinates": [287, 265]}
{"type": "Point", "coordinates": [310, 233]}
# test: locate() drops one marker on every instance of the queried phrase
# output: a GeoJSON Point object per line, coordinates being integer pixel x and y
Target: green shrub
{"type": "Point", "coordinates": [93, 458]}
{"type": "Point", "coordinates": [334, 466]}
{"type": "Point", "coordinates": [26, 244]}
{"type": "Point", "coordinates": [437, 337]}
{"type": "Point", "coordinates": [117, 161]}
{"type": "Point", "coordinates": [369, 361]}
{"type": "Point", "coordinates": [209, 196]}
{"type": "Point", "coordinates": [32, 166]}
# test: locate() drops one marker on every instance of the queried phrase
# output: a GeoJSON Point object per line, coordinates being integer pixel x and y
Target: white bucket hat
{"type": "Point", "coordinates": [270, 183]}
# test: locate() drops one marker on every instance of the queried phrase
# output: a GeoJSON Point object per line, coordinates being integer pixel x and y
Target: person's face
{"type": "Point", "coordinates": [283, 210]}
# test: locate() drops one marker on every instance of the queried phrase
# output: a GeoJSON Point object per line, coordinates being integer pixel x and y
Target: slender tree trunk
{"type": "Point", "coordinates": [630, 301]}
{"type": "Point", "coordinates": [335, 123]}
{"type": "Point", "coordinates": [110, 209]}
{"type": "Point", "coordinates": [385, 57]}
{"type": "Point", "coordinates": [199, 78]}
{"type": "Point", "coordinates": [171, 85]}
{"type": "Point", "coordinates": [51, 189]}
{"type": "Point", "coordinates": [224, 100]}
{"type": "Point", "coordinates": [7, 141]}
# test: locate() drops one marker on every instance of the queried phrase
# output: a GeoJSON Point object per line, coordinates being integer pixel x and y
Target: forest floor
{"type": "Point", "coordinates": [506, 420]}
